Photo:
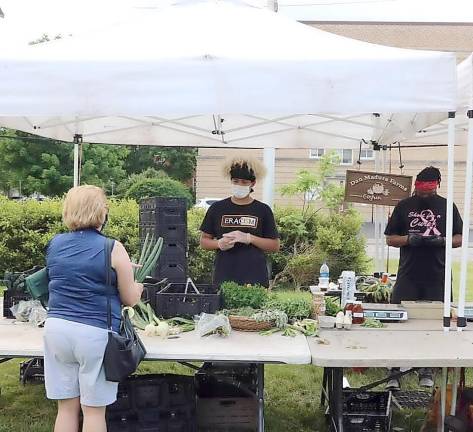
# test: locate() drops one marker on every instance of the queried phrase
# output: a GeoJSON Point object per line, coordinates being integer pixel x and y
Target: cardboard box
{"type": "Point", "coordinates": [428, 310]}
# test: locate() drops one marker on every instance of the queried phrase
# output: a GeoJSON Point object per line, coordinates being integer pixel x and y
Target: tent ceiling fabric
{"type": "Point", "coordinates": [245, 131]}
{"type": "Point", "coordinates": [167, 77]}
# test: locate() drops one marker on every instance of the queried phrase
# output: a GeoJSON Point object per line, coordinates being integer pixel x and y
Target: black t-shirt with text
{"type": "Point", "coordinates": [421, 274]}
{"type": "Point", "coordinates": [243, 263]}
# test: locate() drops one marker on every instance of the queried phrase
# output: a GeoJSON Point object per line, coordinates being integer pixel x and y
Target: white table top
{"type": "Point", "coordinates": [23, 340]}
{"type": "Point", "coordinates": [416, 343]}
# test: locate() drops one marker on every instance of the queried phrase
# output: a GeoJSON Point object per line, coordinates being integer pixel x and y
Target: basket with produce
{"type": "Point", "coordinates": [375, 290]}
{"type": "Point", "coordinates": [249, 319]}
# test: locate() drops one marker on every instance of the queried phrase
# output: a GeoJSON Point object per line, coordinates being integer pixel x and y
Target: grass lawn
{"type": "Point", "coordinates": [393, 266]}
{"type": "Point", "coordinates": [292, 399]}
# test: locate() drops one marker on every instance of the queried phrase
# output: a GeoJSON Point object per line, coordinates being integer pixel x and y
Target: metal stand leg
{"type": "Point", "coordinates": [324, 388]}
{"type": "Point", "coordinates": [260, 396]}
{"type": "Point", "coordinates": [337, 397]}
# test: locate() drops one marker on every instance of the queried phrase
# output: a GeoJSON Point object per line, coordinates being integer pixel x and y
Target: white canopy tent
{"type": "Point", "coordinates": [224, 74]}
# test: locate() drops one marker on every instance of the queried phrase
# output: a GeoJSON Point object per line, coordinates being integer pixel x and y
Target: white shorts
{"type": "Point", "coordinates": [73, 363]}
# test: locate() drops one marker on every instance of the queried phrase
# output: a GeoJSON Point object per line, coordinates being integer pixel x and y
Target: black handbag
{"type": "Point", "coordinates": [124, 350]}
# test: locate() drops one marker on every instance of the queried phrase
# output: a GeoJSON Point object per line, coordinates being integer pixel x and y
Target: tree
{"type": "Point", "coordinates": [315, 185]}
{"type": "Point", "coordinates": [162, 187]}
{"type": "Point", "coordinates": [46, 166]}
{"type": "Point", "coordinates": [149, 173]}
{"type": "Point", "coordinates": [178, 163]}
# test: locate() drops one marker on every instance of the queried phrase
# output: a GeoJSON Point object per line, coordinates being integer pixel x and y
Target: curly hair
{"type": "Point", "coordinates": [246, 166]}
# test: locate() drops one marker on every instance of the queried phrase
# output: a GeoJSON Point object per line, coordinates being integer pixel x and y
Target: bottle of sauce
{"type": "Point", "coordinates": [349, 306]}
{"type": "Point", "coordinates": [358, 313]}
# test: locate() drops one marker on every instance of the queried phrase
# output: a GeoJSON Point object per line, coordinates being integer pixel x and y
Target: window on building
{"type": "Point", "coordinates": [346, 156]}
{"type": "Point", "coordinates": [366, 154]}
{"type": "Point", "coordinates": [316, 153]}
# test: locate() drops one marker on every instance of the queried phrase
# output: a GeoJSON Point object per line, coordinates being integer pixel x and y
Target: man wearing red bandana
{"type": "Point", "coordinates": [418, 227]}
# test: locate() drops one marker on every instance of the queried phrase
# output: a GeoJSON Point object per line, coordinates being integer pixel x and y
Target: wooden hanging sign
{"type": "Point", "coordinates": [376, 188]}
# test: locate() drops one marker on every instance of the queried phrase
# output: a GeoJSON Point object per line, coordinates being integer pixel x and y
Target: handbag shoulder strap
{"type": "Point", "coordinates": [108, 278]}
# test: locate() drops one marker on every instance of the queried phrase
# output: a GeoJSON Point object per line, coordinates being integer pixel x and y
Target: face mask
{"type": "Point", "coordinates": [240, 191]}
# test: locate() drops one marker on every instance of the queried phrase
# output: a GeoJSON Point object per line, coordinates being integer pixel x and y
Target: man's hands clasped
{"type": "Point", "coordinates": [229, 240]}
{"type": "Point", "coordinates": [416, 240]}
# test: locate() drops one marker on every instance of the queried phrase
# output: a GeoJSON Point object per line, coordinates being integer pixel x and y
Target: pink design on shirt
{"type": "Point", "coordinates": [427, 219]}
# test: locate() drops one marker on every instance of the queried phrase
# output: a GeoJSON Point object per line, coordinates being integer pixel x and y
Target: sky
{"type": "Point", "coordinates": [27, 20]}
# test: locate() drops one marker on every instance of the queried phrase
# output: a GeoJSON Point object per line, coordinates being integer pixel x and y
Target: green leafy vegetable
{"type": "Point", "coordinates": [149, 257]}
{"type": "Point", "coordinates": [372, 323]}
{"type": "Point", "coordinates": [332, 307]}
{"type": "Point", "coordinates": [295, 308]}
{"type": "Point", "coordinates": [237, 296]}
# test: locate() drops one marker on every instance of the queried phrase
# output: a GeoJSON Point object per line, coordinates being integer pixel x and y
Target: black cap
{"type": "Point", "coordinates": [429, 174]}
{"type": "Point", "coordinates": [241, 171]}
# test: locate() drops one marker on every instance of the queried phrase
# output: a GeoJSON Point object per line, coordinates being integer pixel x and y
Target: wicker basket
{"type": "Point", "coordinates": [243, 323]}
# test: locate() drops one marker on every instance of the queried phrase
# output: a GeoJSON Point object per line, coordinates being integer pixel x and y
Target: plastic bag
{"type": "Point", "coordinates": [213, 324]}
{"type": "Point", "coordinates": [38, 315]}
{"type": "Point", "coordinates": [29, 311]}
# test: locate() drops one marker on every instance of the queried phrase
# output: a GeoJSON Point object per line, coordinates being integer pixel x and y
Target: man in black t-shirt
{"type": "Point", "coordinates": [240, 228]}
{"type": "Point", "coordinates": [418, 227]}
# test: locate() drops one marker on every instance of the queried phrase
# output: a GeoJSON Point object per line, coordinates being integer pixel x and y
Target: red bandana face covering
{"type": "Point", "coordinates": [426, 186]}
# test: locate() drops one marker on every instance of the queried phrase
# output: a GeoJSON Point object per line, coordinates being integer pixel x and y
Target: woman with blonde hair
{"type": "Point", "coordinates": [240, 228]}
{"type": "Point", "coordinates": [76, 332]}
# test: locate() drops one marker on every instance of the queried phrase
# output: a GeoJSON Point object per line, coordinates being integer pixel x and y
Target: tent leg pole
{"type": "Point", "coordinates": [449, 224]}
{"type": "Point", "coordinates": [443, 399]}
{"type": "Point", "coordinates": [77, 158]}
{"type": "Point", "coordinates": [461, 323]}
{"type": "Point", "coordinates": [269, 160]}
{"type": "Point", "coordinates": [76, 164]}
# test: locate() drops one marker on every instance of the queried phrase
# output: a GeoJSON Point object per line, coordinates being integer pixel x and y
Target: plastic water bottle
{"type": "Point", "coordinates": [324, 275]}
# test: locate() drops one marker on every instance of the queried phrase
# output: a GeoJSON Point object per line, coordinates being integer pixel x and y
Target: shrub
{"type": "Point", "coordinates": [199, 261]}
{"type": "Point", "coordinates": [161, 187]}
{"type": "Point", "coordinates": [149, 173]}
{"type": "Point", "coordinates": [28, 226]}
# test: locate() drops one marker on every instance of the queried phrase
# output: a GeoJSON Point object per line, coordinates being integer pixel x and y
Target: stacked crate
{"type": "Point", "coordinates": [226, 397]}
{"type": "Point", "coordinates": [154, 403]}
{"type": "Point", "coordinates": [167, 218]}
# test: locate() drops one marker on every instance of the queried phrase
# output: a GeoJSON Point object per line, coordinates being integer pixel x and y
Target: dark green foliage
{"type": "Point", "coordinates": [199, 261]}
{"type": "Point", "coordinates": [28, 226]}
{"type": "Point", "coordinates": [159, 187]}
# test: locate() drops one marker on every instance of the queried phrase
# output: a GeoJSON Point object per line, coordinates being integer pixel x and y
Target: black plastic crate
{"type": "Point", "coordinates": [32, 371]}
{"type": "Point", "coordinates": [170, 232]}
{"type": "Point", "coordinates": [366, 402]}
{"type": "Point", "coordinates": [226, 381]}
{"type": "Point", "coordinates": [166, 215]}
{"type": "Point", "coordinates": [172, 300]}
{"type": "Point", "coordinates": [152, 203]}
{"type": "Point", "coordinates": [122, 425]}
{"type": "Point", "coordinates": [174, 251]}
{"type": "Point", "coordinates": [123, 403]}
{"type": "Point", "coordinates": [151, 287]}
{"type": "Point", "coordinates": [237, 414]}
{"type": "Point", "coordinates": [366, 411]}
{"type": "Point", "coordinates": [11, 298]}
{"type": "Point", "coordinates": [162, 391]}
{"type": "Point", "coordinates": [172, 269]}
{"type": "Point", "coordinates": [366, 423]}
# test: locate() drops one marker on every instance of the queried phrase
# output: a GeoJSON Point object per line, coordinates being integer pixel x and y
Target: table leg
{"type": "Point", "coordinates": [260, 396]}
{"type": "Point", "coordinates": [324, 391]}
{"type": "Point", "coordinates": [337, 398]}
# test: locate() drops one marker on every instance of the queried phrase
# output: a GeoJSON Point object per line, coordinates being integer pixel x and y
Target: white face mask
{"type": "Point", "coordinates": [240, 191]}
